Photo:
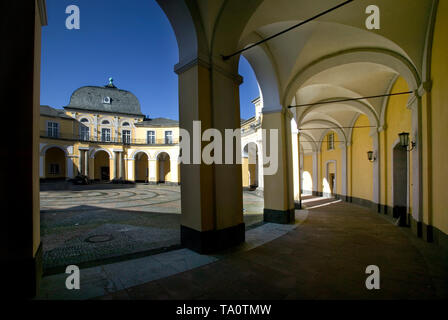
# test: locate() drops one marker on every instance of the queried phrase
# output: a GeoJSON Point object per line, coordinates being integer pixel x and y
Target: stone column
{"type": "Point", "coordinates": [91, 167]}
{"type": "Point", "coordinates": [344, 171]}
{"type": "Point", "coordinates": [131, 164]}
{"type": "Point", "coordinates": [113, 166]}
{"type": "Point", "coordinates": [260, 165]}
{"type": "Point", "coordinates": [315, 173]}
{"type": "Point", "coordinates": [415, 105]}
{"type": "Point", "coordinates": [278, 187]}
{"type": "Point", "coordinates": [174, 170]}
{"type": "Point", "coordinates": [376, 169]}
{"type": "Point", "coordinates": [86, 163]}
{"type": "Point", "coordinates": [212, 202]}
{"type": "Point", "coordinates": [69, 167]}
{"type": "Point", "coordinates": [295, 166]}
{"type": "Point", "coordinates": [120, 165]}
{"type": "Point", "coordinates": [42, 166]}
{"type": "Point", "coordinates": [21, 249]}
{"type": "Point", "coordinates": [152, 168]}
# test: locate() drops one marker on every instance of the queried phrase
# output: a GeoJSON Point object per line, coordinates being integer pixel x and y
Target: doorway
{"type": "Point", "coordinates": [400, 184]}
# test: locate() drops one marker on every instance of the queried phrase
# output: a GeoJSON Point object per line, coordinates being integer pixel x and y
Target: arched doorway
{"type": "Point", "coordinates": [102, 168]}
{"type": "Point", "coordinates": [400, 183]}
{"type": "Point", "coordinates": [55, 163]}
{"type": "Point", "coordinates": [250, 166]}
{"type": "Point", "coordinates": [141, 167]}
{"type": "Point", "coordinates": [163, 167]}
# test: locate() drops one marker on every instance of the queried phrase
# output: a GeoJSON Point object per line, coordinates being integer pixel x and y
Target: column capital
{"type": "Point", "coordinates": [182, 67]}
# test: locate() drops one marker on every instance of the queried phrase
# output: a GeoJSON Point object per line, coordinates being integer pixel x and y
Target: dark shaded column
{"type": "Point", "coordinates": [21, 250]}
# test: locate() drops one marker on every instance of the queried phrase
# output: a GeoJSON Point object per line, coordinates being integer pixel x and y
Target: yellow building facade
{"type": "Point", "coordinates": [103, 136]}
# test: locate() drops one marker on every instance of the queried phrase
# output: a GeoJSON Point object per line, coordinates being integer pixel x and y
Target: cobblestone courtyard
{"type": "Point", "coordinates": [87, 225]}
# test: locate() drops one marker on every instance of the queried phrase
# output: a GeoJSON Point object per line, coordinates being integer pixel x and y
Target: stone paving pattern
{"type": "Point", "coordinates": [118, 220]}
{"type": "Point", "coordinates": [324, 258]}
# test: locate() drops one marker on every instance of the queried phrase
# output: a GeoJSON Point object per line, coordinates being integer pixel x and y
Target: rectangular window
{"type": "Point", "coordinates": [168, 137]}
{"type": "Point", "coordinates": [53, 129]}
{"type": "Point", "coordinates": [126, 136]}
{"type": "Point", "coordinates": [151, 137]}
{"type": "Point", "coordinates": [330, 141]}
{"type": "Point", "coordinates": [54, 169]}
{"type": "Point", "coordinates": [84, 133]}
{"type": "Point", "coordinates": [105, 135]}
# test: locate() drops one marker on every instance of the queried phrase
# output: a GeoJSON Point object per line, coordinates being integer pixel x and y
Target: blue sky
{"type": "Point", "coordinates": [131, 41]}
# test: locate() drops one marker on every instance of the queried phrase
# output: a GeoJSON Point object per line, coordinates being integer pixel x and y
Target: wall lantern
{"type": "Point", "coordinates": [404, 141]}
{"type": "Point", "coordinates": [371, 156]}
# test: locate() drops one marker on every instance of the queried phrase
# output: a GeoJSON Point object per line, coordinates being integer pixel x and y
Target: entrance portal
{"type": "Point", "coordinates": [400, 184]}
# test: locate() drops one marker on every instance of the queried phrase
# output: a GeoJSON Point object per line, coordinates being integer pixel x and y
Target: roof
{"type": "Point", "coordinates": [91, 98]}
{"type": "Point", "coordinates": [158, 122]}
{"type": "Point", "coordinates": [52, 112]}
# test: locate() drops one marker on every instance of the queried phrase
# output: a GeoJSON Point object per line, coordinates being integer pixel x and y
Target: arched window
{"type": "Point", "coordinates": [126, 124]}
{"type": "Point", "coordinates": [106, 122]}
{"type": "Point", "coordinates": [84, 120]}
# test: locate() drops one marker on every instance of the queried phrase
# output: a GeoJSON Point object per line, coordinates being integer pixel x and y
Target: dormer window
{"type": "Point", "coordinates": [107, 100]}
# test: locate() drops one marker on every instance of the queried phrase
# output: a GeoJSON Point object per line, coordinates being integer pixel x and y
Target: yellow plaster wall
{"type": "Point", "coordinates": [398, 119]}
{"type": "Point", "coordinates": [439, 120]}
{"type": "Point", "coordinates": [308, 167]}
{"type": "Point", "coordinates": [245, 171]}
{"type": "Point", "coordinates": [362, 169]}
{"type": "Point", "coordinates": [66, 126]}
{"type": "Point", "coordinates": [141, 133]}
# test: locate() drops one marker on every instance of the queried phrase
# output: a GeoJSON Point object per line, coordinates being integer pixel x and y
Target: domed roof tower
{"type": "Point", "coordinates": [107, 99]}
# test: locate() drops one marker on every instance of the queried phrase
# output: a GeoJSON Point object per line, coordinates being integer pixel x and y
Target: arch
{"type": "Point", "coordinates": [50, 146]}
{"type": "Point", "coordinates": [156, 155]}
{"type": "Point", "coordinates": [335, 127]}
{"type": "Point", "coordinates": [185, 19]}
{"type": "Point", "coordinates": [309, 140]}
{"type": "Point", "coordinates": [95, 151]}
{"type": "Point", "coordinates": [382, 119]}
{"type": "Point", "coordinates": [85, 116]}
{"type": "Point", "coordinates": [136, 152]}
{"type": "Point", "coordinates": [385, 57]}
{"type": "Point", "coordinates": [358, 106]}
{"type": "Point", "coordinates": [261, 61]}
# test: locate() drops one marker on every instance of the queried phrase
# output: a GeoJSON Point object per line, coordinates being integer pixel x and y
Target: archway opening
{"type": "Point", "coordinates": [163, 167]}
{"type": "Point", "coordinates": [101, 166]}
{"type": "Point", "coordinates": [250, 166]}
{"type": "Point", "coordinates": [141, 167]}
{"type": "Point", "coordinates": [400, 184]}
{"type": "Point", "coordinates": [55, 164]}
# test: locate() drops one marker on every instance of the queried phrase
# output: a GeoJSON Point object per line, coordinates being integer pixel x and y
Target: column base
{"type": "Point", "coordinates": [205, 242]}
{"type": "Point", "coordinates": [279, 216]}
{"type": "Point", "coordinates": [416, 227]}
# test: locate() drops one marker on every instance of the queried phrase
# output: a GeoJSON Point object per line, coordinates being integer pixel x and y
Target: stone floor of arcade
{"type": "Point", "coordinates": [323, 255]}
